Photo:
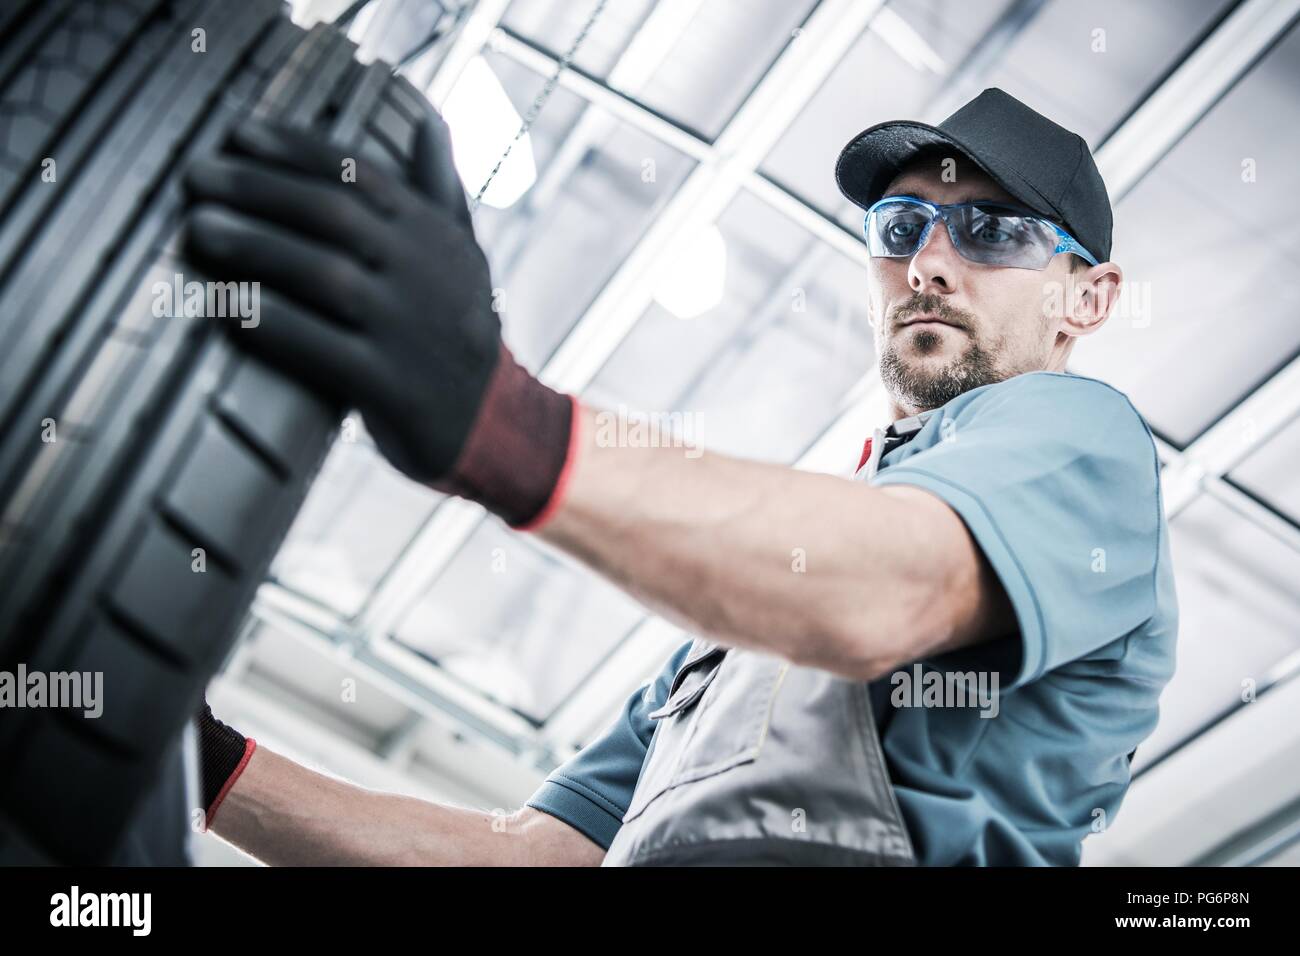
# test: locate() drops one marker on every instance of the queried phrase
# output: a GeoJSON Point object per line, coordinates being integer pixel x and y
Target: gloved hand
{"type": "Point", "coordinates": [376, 294]}
{"type": "Point", "coordinates": [223, 755]}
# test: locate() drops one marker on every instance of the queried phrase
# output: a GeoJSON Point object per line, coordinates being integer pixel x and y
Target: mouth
{"type": "Point", "coordinates": [926, 320]}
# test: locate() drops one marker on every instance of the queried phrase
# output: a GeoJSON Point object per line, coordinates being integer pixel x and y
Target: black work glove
{"type": "Point", "coordinates": [375, 293]}
{"type": "Point", "coordinates": [223, 755]}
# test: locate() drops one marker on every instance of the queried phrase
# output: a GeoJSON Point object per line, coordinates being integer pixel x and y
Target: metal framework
{"type": "Point", "coordinates": [723, 168]}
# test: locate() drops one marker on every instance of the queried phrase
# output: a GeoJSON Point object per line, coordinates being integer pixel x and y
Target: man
{"type": "Point", "coordinates": [1006, 530]}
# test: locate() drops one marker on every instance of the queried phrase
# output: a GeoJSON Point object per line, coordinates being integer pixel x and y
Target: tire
{"type": "Point", "coordinates": [128, 441]}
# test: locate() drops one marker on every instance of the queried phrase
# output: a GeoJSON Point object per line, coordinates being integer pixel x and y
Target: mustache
{"type": "Point", "coordinates": [930, 304]}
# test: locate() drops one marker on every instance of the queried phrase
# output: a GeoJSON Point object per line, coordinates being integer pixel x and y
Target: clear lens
{"type": "Point", "coordinates": [998, 236]}
{"type": "Point", "coordinates": [982, 232]}
{"type": "Point", "coordinates": [895, 229]}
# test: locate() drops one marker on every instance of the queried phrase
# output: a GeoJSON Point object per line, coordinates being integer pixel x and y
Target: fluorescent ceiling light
{"type": "Point", "coordinates": [483, 123]}
{"type": "Point", "coordinates": [693, 281]}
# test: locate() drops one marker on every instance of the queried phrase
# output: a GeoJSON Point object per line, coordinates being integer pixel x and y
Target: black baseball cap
{"type": "Point", "coordinates": [1045, 166]}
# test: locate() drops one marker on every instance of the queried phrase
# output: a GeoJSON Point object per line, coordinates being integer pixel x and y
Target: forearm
{"type": "Point", "coordinates": [285, 814]}
{"type": "Point", "coordinates": [811, 567]}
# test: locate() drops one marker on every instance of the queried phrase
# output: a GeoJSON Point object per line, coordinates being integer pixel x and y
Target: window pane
{"type": "Point", "coordinates": [554, 24]}
{"type": "Point", "coordinates": [599, 185]}
{"type": "Point", "coordinates": [762, 373]}
{"type": "Point", "coordinates": [692, 61]}
{"type": "Point", "coordinates": [902, 61]}
{"type": "Point", "coordinates": [358, 517]}
{"type": "Point", "coordinates": [516, 621]}
{"type": "Point", "coordinates": [1237, 613]}
{"type": "Point", "coordinates": [922, 59]}
{"type": "Point", "coordinates": [1273, 472]}
{"type": "Point", "coordinates": [1087, 65]}
{"type": "Point", "coordinates": [1207, 241]}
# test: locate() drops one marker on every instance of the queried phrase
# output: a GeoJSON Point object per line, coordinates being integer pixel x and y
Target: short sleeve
{"type": "Point", "coordinates": [592, 790]}
{"type": "Point", "coordinates": [1056, 477]}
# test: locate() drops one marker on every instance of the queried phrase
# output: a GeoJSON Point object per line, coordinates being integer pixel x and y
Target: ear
{"type": "Point", "coordinates": [1096, 293]}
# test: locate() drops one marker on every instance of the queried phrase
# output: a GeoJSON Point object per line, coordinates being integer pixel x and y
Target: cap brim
{"type": "Point", "coordinates": [874, 157]}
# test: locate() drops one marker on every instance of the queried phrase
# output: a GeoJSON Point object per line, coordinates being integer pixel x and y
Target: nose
{"type": "Point", "coordinates": [934, 266]}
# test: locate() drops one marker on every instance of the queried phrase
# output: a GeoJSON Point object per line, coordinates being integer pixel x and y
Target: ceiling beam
{"type": "Point", "coordinates": [726, 167]}
{"type": "Point", "coordinates": [1191, 91]}
{"type": "Point", "coordinates": [774, 103]}
{"type": "Point", "coordinates": [475, 30]}
{"type": "Point", "coordinates": [1229, 441]}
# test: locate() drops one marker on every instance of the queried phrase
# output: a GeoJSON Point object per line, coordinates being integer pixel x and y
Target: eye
{"type": "Point", "coordinates": [903, 230]}
{"type": "Point", "coordinates": [994, 230]}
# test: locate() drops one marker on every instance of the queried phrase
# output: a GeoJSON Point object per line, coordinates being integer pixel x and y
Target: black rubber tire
{"type": "Point", "coordinates": [166, 438]}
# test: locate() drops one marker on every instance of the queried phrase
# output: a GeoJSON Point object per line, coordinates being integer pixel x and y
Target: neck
{"type": "Point", "coordinates": [898, 412]}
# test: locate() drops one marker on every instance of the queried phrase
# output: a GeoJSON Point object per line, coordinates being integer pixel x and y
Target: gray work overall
{"type": "Point", "coordinates": [755, 761]}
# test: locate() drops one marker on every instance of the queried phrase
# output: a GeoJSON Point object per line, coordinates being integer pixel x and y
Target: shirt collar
{"type": "Point", "coordinates": [883, 441]}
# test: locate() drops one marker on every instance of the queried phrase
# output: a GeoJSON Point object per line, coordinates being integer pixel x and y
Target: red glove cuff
{"type": "Point", "coordinates": [521, 449]}
{"type": "Point", "coordinates": [249, 746]}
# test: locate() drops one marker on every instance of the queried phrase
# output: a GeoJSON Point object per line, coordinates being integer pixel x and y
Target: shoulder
{"type": "Point", "coordinates": [1069, 385]}
{"type": "Point", "coordinates": [1050, 386]}
{"type": "Point", "coordinates": [1070, 436]}
{"type": "Point", "coordinates": [1063, 401]}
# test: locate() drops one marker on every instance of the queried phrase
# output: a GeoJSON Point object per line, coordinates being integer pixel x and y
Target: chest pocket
{"type": "Point", "coordinates": [715, 718]}
{"type": "Point", "coordinates": [692, 679]}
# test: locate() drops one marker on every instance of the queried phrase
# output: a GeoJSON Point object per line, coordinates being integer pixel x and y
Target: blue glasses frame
{"type": "Point", "coordinates": [1064, 241]}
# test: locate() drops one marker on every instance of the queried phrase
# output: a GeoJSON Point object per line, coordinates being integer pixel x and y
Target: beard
{"type": "Point", "coordinates": [914, 385]}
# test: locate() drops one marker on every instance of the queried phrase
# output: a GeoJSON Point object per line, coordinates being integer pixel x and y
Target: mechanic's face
{"type": "Point", "coordinates": [978, 324]}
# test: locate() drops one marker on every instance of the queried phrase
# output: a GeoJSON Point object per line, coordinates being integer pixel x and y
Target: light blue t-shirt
{"type": "Point", "coordinates": [1056, 477]}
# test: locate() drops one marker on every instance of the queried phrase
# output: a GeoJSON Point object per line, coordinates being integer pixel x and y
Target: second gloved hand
{"type": "Point", "coordinates": [374, 292]}
{"type": "Point", "coordinates": [223, 754]}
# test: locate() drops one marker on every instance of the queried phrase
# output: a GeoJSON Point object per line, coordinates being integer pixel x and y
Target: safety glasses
{"type": "Point", "coordinates": [990, 233]}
